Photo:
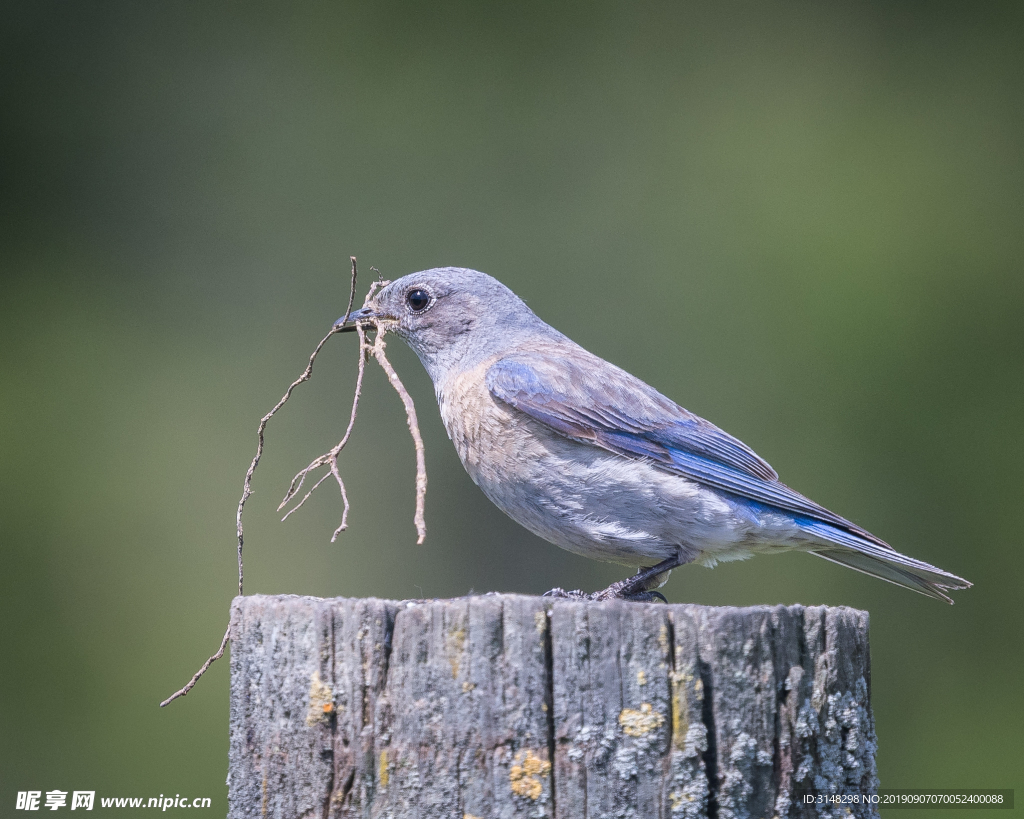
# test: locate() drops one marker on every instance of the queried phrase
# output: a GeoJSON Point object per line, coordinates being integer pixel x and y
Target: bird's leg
{"type": "Point", "coordinates": [640, 587]}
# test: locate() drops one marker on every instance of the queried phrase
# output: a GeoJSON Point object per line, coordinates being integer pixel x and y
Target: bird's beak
{"type": "Point", "coordinates": [356, 315]}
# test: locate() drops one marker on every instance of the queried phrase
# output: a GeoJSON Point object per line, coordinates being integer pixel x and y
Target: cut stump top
{"type": "Point", "coordinates": [508, 706]}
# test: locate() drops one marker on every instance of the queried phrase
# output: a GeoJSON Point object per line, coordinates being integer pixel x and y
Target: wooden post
{"type": "Point", "coordinates": [505, 706]}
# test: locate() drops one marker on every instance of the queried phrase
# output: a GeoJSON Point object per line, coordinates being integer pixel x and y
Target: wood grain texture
{"type": "Point", "coordinates": [504, 706]}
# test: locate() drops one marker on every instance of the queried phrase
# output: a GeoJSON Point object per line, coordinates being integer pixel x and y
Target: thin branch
{"type": "Point", "coordinates": [344, 499]}
{"type": "Point", "coordinates": [351, 293]}
{"type": "Point", "coordinates": [304, 498]}
{"type": "Point", "coordinates": [247, 488]}
{"type": "Point", "coordinates": [330, 458]}
{"type": "Point", "coordinates": [181, 692]}
{"type": "Point", "coordinates": [247, 485]}
{"type": "Point", "coordinates": [377, 350]}
{"type": "Point", "coordinates": [378, 284]}
{"type": "Point", "coordinates": [348, 431]}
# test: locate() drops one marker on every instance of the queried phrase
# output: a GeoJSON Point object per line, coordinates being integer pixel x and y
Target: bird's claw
{"type": "Point", "coordinates": [611, 593]}
{"type": "Point", "coordinates": [562, 594]}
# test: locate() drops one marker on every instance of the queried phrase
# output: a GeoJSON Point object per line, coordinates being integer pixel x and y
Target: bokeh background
{"type": "Point", "coordinates": [800, 220]}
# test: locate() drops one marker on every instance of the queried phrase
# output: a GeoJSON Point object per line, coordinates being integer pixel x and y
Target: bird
{"type": "Point", "coordinates": [596, 461]}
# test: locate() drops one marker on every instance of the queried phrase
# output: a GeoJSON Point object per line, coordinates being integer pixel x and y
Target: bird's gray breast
{"type": "Point", "coordinates": [488, 435]}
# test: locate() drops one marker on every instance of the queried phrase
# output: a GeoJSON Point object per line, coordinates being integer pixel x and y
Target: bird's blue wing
{"type": "Point", "coordinates": [587, 399]}
{"type": "Point", "coordinates": [588, 396]}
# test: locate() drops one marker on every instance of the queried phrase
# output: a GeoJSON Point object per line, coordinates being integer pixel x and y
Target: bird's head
{"type": "Point", "coordinates": [451, 317]}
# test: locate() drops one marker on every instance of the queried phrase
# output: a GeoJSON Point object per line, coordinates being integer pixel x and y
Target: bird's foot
{"type": "Point", "coordinates": [628, 589]}
{"type": "Point", "coordinates": [640, 588]}
{"type": "Point", "coordinates": [562, 594]}
{"type": "Point", "coordinates": [611, 593]}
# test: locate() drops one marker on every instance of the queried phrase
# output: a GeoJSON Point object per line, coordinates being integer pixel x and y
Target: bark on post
{"type": "Point", "coordinates": [505, 706]}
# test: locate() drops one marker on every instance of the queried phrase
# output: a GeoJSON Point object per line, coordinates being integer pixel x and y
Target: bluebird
{"type": "Point", "coordinates": [594, 460]}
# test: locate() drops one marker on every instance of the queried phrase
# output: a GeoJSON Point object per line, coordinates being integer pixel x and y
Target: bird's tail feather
{"type": "Point", "coordinates": [882, 561]}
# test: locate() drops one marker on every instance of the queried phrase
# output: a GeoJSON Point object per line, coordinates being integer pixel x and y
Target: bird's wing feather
{"type": "Point", "coordinates": [577, 399]}
{"type": "Point", "coordinates": [593, 401]}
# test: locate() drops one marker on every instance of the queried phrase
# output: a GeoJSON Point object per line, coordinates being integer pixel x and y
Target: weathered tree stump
{"type": "Point", "coordinates": [509, 706]}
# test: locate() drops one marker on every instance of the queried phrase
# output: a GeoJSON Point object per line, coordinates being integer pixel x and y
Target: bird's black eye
{"type": "Point", "coordinates": [418, 300]}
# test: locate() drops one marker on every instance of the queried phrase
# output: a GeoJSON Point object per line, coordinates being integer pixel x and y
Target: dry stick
{"type": "Point", "coordinates": [306, 496]}
{"type": "Point", "coordinates": [247, 488]}
{"type": "Point", "coordinates": [348, 431]}
{"type": "Point", "coordinates": [181, 692]}
{"type": "Point", "coordinates": [377, 350]}
{"type": "Point", "coordinates": [330, 458]}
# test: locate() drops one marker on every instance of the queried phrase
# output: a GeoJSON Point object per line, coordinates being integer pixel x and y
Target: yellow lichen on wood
{"type": "Point", "coordinates": [680, 713]}
{"type": "Point", "coordinates": [526, 773]}
{"type": "Point", "coordinates": [382, 770]}
{"type": "Point", "coordinates": [455, 643]}
{"type": "Point", "coordinates": [677, 799]}
{"type": "Point", "coordinates": [321, 701]}
{"type": "Point", "coordinates": [637, 723]}
{"type": "Point", "coordinates": [663, 642]}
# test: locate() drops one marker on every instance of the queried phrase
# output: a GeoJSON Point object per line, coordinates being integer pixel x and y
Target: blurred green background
{"type": "Point", "coordinates": [802, 221]}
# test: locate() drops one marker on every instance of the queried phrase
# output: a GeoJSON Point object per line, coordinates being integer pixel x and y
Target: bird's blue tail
{"type": "Point", "coordinates": [866, 553]}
